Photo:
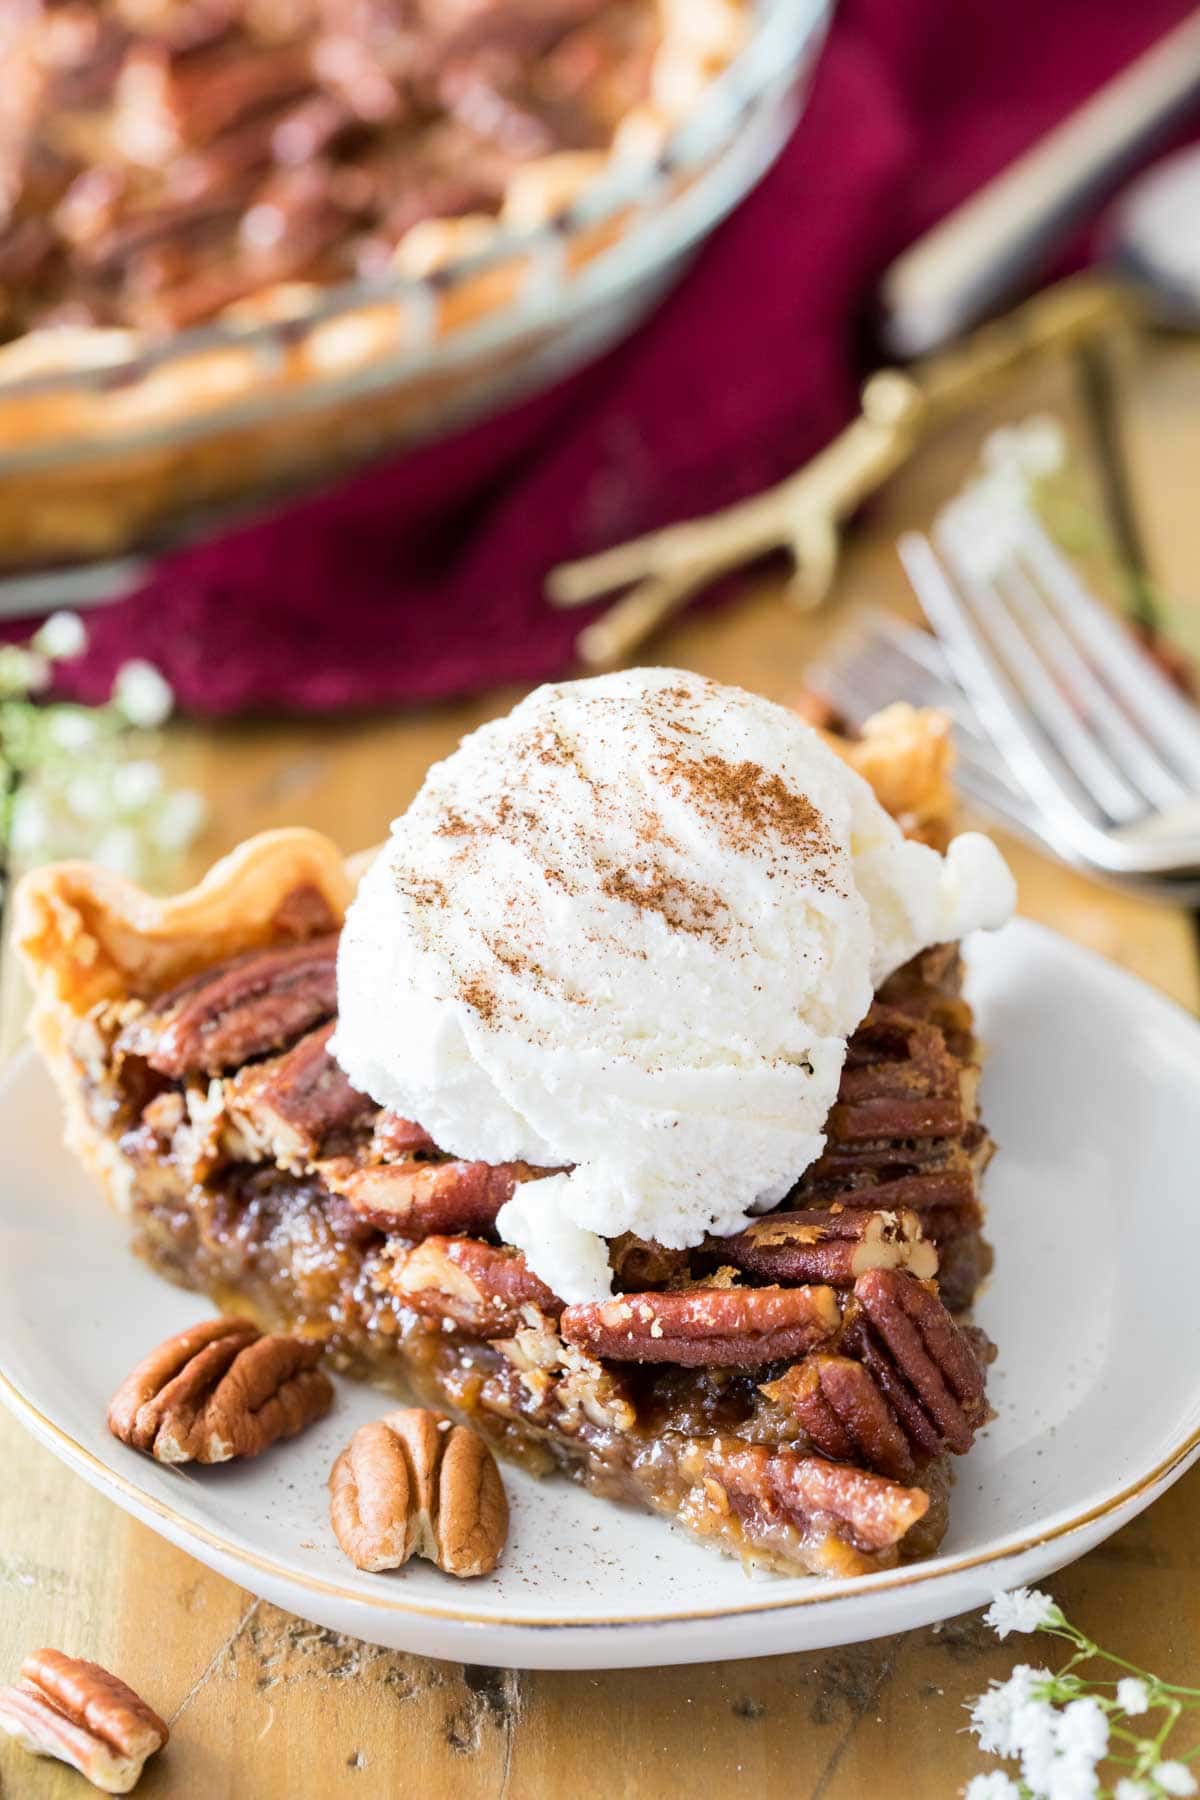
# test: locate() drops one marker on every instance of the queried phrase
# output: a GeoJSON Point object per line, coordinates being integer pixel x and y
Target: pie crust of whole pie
{"type": "Point", "coordinates": [270, 168]}
{"type": "Point", "coordinates": [793, 1394]}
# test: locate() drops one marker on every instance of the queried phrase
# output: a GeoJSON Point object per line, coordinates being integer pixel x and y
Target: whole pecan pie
{"type": "Point", "coordinates": [162, 161]}
{"type": "Point", "coordinates": [292, 234]}
{"type": "Point", "coordinates": [792, 1393]}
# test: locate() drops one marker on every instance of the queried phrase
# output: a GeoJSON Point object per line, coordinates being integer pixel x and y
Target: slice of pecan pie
{"type": "Point", "coordinates": [792, 1393]}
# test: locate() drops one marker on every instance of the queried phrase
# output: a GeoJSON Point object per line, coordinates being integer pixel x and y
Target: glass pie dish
{"type": "Point", "coordinates": [114, 446]}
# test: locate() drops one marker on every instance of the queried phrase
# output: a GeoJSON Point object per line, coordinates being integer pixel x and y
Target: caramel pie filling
{"type": "Point", "coordinates": [793, 1393]}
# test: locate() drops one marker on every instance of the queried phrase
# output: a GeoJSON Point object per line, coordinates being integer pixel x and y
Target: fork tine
{"type": "Point", "coordinates": [1135, 757]}
{"type": "Point", "coordinates": [1086, 758]}
{"type": "Point", "coordinates": [995, 700]}
{"type": "Point", "coordinates": [888, 659]}
{"type": "Point", "coordinates": [1168, 719]}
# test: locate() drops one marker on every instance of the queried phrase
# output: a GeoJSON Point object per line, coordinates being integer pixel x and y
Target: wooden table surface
{"type": "Point", "coordinates": [263, 1706]}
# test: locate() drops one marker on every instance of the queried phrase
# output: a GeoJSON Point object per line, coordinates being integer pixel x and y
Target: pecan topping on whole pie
{"type": "Point", "coordinates": [220, 1390]}
{"type": "Point", "coordinates": [74, 1710]}
{"type": "Point", "coordinates": [413, 1482]}
{"type": "Point", "coordinates": [168, 161]}
{"type": "Point", "coordinates": [714, 1327]}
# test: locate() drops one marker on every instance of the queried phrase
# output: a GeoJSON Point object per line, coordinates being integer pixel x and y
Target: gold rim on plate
{"type": "Point", "coordinates": [1171, 1466]}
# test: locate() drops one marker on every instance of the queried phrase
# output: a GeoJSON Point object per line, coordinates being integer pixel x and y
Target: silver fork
{"type": "Point", "coordinates": [883, 660]}
{"type": "Point", "coordinates": [1106, 749]}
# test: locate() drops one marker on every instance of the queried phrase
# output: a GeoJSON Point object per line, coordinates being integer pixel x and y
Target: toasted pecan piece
{"type": "Point", "coordinates": [836, 1246]}
{"type": "Point", "coordinates": [921, 1361]}
{"type": "Point", "coordinates": [844, 1414]}
{"type": "Point", "coordinates": [413, 1482]}
{"type": "Point", "coordinates": [946, 1193]}
{"type": "Point", "coordinates": [395, 1136]}
{"type": "Point", "coordinates": [220, 1390]}
{"type": "Point", "coordinates": [482, 1290]}
{"type": "Point", "coordinates": [74, 1710]}
{"type": "Point", "coordinates": [418, 1199]}
{"type": "Point", "coordinates": [219, 1019]}
{"type": "Point", "coordinates": [705, 1326]}
{"type": "Point", "coordinates": [868, 1511]}
{"type": "Point", "coordinates": [286, 1107]}
{"type": "Point", "coordinates": [900, 1081]}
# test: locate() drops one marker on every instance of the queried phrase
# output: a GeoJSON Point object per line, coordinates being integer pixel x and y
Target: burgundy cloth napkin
{"type": "Point", "coordinates": [422, 577]}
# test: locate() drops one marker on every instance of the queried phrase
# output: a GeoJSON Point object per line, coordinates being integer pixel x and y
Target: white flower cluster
{"type": "Point", "coordinates": [985, 520]}
{"type": "Point", "coordinates": [68, 783]}
{"type": "Point", "coordinates": [1058, 1732]}
{"type": "Point", "coordinates": [1021, 1609]}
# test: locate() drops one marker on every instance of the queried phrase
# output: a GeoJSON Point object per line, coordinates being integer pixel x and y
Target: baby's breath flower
{"type": "Point", "coordinates": [143, 694]}
{"type": "Point", "coordinates": [1127, 1789]}
{"type": "Point", "coordinates": [136, 784]}
{"type": "Point", "coordinates": [1133, 1696]}
{"type": "Point", "coordinates": [1022, 1609]}
{"type": "Point", "coordinates": [29, 831]}
{"type": "Point", "coordinates": [1030, 451]}
{"type": "Point", "coordinates": [1035, 1736]}
{"type": "Point", "coordinates": [1083, 1729]}
{"type": "Point", "coordinates": [994, 1714]}
{"type": "Point", "coordinates": [996, 1786]}
{"type": "Point", "coordinates": [67, 786]}
{"type": "Point", "coordinates": [176, 820]}
{"type": "Point", "coordinates": [72, 728]}
{"type": "Point", "coordinates": [61, 637]}
{"type": "Point", "coordinates": [120, 850]}
{"type": "Point", "coordinates": [22, 672]}
{"type": "Point", "coordinates": [1175, 1778]}
{"type": "Point", "coordinates": [87, 795]}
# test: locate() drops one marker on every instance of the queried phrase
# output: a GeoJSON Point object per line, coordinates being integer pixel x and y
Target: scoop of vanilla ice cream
{"type": "Point", "coordinates": [625, 932]}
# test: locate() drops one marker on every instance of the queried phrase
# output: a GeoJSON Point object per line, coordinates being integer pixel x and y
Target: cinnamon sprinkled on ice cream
{"type": "Point", "coordinates": [628, 930]}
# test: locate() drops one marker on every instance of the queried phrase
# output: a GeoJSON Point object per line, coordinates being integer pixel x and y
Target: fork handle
{"type": "Point", "coordinates": [978, 256]}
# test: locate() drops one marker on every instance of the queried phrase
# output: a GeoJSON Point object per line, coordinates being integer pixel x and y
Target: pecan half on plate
{"type": "Point", "coordinates": [415, 1483]}
{"type": "Point", "coordinates": [220, 1390]}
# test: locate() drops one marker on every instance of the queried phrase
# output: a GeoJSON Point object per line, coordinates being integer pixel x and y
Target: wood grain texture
{"type": "Point", "coordinates": [266, 1707]}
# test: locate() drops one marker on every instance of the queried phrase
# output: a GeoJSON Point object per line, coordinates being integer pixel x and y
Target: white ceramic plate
{"type": "Point", "coordinates": [1093, 1090]}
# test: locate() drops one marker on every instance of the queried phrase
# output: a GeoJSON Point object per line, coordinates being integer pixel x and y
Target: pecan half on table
{"type": "Point", "coordinates": [220, 1390]}
{"type": "Point", "coordinates": [415, 1483]}
{"type": "Point", "coordinates": [77, 1712]}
